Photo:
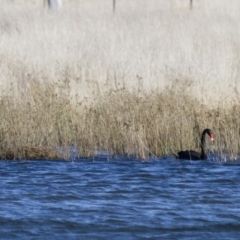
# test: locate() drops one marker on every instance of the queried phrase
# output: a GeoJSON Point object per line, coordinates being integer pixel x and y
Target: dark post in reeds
{"type": "Point", "coordinates": [114, 5]}
{"type": "Point", "coordinates": [191, 3]}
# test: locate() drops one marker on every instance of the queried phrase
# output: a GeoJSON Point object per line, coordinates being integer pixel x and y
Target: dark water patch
{"type": "Point", "coordinates": [119, 198]}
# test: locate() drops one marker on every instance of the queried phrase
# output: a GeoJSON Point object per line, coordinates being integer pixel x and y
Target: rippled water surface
{"type": "Point", "coordinates": [119, 199]}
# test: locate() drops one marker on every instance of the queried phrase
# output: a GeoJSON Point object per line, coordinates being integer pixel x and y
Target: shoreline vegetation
{"type": "Point", "coordinates": [120, 122]}
{"type": "Point", "coordinates": [142, 82]}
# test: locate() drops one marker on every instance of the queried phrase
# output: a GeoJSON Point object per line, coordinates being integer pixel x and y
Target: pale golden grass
{"type": "Point", "coordinates": [144, 81]}
{"type": "Point", "coordinates": [121, 122]}
{"type": "Point", "coordinates": [145, 46]}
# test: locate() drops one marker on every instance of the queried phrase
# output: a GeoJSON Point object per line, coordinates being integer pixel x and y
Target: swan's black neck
{"type": "Point", "coordinates": [203, 153]}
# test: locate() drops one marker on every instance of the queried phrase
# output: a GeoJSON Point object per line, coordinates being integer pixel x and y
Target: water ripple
{"type": "Point", "coordinates": [121, 198]}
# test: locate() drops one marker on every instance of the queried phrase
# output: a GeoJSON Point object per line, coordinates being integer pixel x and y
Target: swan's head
{"type": "Point", "coordinates": [210, 134]}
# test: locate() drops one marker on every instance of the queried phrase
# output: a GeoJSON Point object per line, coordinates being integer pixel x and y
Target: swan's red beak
{"type": "Point", "coordinates": [211, 137]}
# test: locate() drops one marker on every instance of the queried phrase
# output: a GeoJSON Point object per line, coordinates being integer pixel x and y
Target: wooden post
{"type": "Point", "coordinates": [191, 4]}
{"type": "Point", "coordinates": [114, 5]}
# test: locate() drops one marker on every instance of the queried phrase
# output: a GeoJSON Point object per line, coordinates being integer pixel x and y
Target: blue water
{"type": "Point", "coordinates": [119, 199]}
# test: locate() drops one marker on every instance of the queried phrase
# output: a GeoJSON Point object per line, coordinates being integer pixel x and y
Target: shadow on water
{"type": "Point", "coordinates": [118, 198]}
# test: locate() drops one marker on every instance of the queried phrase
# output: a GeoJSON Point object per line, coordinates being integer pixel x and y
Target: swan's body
{"type": "Point", "coordinates": [192, 155]}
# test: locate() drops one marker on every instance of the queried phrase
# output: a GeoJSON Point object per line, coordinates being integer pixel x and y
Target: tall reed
{"type": "Point", "coordinates": [144, 81]}
{"type": "Point", "coordinates": [120, 122]}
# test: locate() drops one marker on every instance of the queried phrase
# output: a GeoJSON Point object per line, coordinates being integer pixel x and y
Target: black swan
{"type": "Point", "coordinates": [192, 155]}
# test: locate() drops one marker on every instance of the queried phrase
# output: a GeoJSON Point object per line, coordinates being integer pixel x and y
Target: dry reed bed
{"type": "Point", "coordinates": [118, 82]}
{"type": "Point", "coordinates": [120, 122]}
{"type": "Point", "coordinates": [146, 44]}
